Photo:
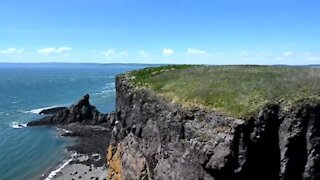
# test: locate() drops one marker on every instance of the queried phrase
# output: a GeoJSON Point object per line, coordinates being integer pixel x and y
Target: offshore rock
{"type": "Point", "coordinates": [80, 112]}
{"type": "Point", "coordinates": [84, 121]}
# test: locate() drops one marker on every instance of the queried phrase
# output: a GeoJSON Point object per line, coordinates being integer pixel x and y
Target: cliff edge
{"type": "Point", "coordinates": [155, 137]}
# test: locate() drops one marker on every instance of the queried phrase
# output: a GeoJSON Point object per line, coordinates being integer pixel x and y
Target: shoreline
{"type": "Point", "coordinates": [76, 168]}
{"type": "Point", "coordinates": [57, 169]}
{"type": "Point", "coordinates": [86, 155]}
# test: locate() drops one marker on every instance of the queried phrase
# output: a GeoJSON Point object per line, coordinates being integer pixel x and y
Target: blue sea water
{"type": "Point", "coordinates": [25, 89]}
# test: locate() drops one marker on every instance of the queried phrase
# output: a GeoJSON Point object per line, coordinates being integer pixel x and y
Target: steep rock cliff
{"type": "Point", "coordinates": [156, 139]}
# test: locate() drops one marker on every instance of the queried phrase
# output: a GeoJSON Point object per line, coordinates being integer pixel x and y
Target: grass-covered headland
{"type": "Point", "coordinates": [238, 91]}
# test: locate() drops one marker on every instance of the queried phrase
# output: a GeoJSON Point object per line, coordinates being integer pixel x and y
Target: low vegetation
{"type": "Point", "coordinates": [238, 91]}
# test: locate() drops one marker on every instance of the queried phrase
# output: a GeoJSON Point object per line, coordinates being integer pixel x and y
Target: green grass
{"type": "Point", "coordinates": [238, 91]}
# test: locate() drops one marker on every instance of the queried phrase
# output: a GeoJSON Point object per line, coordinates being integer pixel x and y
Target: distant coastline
{"type": "Point", "coordinates": [137, 64]}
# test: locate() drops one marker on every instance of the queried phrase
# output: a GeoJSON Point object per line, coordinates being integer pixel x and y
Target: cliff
{"type": "Point", "coordinates": [154, 138]}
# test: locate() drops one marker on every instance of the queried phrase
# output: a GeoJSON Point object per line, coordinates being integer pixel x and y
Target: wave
{"type": "Point", "coordinates": [55, 172]}
{"type": "Point", "coordinates": [104, 92]}
{"type": "Point", "coordinates": [37, 111]}
{"type": "Point", "coordinates": [4, 113]}
{"type": "Point", "coordinates": [109, 88]}
{"type": "Point", "coordinates": [110, 84]}
{"type": "Point", "coordinates": [16, 125]}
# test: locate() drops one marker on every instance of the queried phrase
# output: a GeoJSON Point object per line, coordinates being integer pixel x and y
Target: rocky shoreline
{"type": "Point", "coordinates": [92, 132]}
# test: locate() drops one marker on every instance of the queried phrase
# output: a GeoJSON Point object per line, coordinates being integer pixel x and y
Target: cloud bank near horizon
{"type": "Point", "coordinates": [166, 55]}
{"type": "Point", "coordinates": [55, 51]}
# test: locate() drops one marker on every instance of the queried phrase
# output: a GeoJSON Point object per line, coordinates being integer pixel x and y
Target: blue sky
{"type": "Point", "coordinates": [161, 31]}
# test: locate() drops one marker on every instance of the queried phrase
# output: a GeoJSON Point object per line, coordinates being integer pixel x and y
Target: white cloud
{"type": "Point", "coordinates": [143, 53]}
{"type": "Point", "coordinates": [109, 53]}
{"type": "Point", "coordinates": [11, 51]}
{"type": "Point", "coordinates": [53, 50]}
{"type": "Point", "coordinates": [313, 58]}
{"type": "Point", "coordinates": [122, 53]}
{"type": "Point", "coordinates": [168, 51]}
{"type": "Point", "coordinates": [288, 53]}
{"type": "Point", "coordinates": [196, 52]}
{"type": "Point", "coordinates": [112, 53]}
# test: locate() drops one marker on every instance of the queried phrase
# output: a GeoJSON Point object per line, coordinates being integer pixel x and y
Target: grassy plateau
{"type": "Point", "coordinates": [238, 91]}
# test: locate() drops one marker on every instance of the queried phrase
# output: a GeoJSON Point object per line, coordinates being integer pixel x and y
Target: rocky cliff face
{"type": "Point", "coordinates": [155, 139]}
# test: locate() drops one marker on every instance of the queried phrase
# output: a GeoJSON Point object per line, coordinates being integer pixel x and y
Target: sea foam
{"type": "Point", "coordinates": [37, 111]}
{"type": "Point", "coordinates": [55, 172]}
{"type": "Point", "coordinates": [108, 88]}
{"type": "Point", "coordinates": [16, 125]}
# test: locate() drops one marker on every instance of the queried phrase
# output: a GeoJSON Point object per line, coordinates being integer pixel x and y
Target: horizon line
{"type": "Point", "coordinates": [97, 63]}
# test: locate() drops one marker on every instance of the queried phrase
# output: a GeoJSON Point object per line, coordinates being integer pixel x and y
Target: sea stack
{"type": "Point", "coordinates": [80, 112]}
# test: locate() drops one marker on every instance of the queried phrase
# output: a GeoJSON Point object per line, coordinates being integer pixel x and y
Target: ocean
{"type": "Point", "coordinates": [26, 89]}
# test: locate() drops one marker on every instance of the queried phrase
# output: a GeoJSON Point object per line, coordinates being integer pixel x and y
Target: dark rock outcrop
{"type": "Point", "coordinates": [84, 121]}
{"type": "Point", "coordinates": [80, 112]}
{"type": "Point", "coordinates": [156, 139]}
{"type": "Point", "coordinates": [52, 111]}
